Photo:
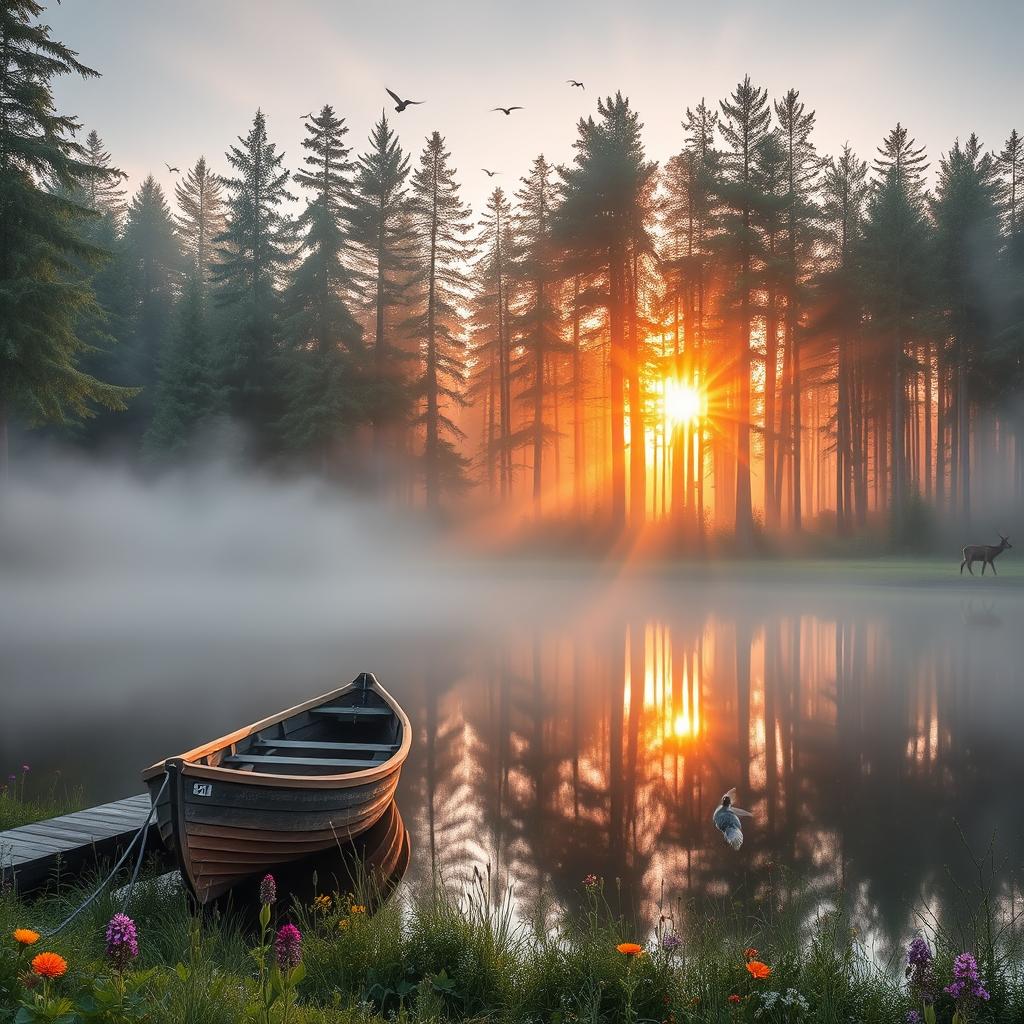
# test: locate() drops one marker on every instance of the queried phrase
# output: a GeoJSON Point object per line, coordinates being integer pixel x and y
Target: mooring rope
{"type": "Point", "coordinates": [142, 832]}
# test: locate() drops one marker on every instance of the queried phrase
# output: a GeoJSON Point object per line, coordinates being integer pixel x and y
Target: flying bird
{"type": "Point", "coordinates": [575, 84]}
{"type": "Point", "coordinates": [490, 174]}
{"type": "Point", "coordinates": [401, 104]}
{"type": "Point", "coordinates": [727, 820]}
{"type": "Point", "coordinates": [172, 170]}
{"type": "Point", "coordinates": [505, 110]}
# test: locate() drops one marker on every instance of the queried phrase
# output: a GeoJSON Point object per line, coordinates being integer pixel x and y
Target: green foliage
{"type": "Point", "coordinates": [253, 254]}
{"type": "Point", "coordinates": [438, 218]}
{"type": "Point", "coordinates": [43, 290]}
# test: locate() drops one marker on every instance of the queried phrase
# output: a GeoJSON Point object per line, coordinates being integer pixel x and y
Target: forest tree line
{"type": "Point", "coordinates": [848, 339]}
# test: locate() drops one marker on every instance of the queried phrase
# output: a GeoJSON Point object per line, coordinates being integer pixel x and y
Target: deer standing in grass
{"type": "Point", "coordinates": [984, 553]}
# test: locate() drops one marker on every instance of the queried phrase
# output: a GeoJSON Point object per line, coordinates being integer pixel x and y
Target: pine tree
{"type": "Point", "coordinates": [606, 211]}
{"type": "Point", "coordinates": [321, 390]}
{"type": "Point", "coordinates": [43, 292]}
{"type": "Point", "coordinates": [381, 235]}
{"type": "Point", "coordinates": [492, 301]}
{"type": "Point", "coordinates": [896, 263]}
{"type": "Point", "coordinates": [102, 188]}
{"type": "Point", "coordinates": [439, 219]}
{"type": "Point", "coordinates": [187, 395]}
{"type": "Point", "coordinates": [253, 253]}
{"type": "Point", "coordinates": [536, 326]}
{"type": "Point", "coordinates": [795, 126]}
{"type": "Point", "coordinates": [154, 264]}
{"type": "Point", "coordinates": [746, 117]}
{"type": "Point", "coordinates": [966, 215]}
{"type": "Point", "coordinates": [201, 218]}
{"type": "Point", "coordinates": [844, 189]}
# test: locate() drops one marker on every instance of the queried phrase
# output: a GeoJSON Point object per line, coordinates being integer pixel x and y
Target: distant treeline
{"type": "Point", "coordinates": [847, 342]}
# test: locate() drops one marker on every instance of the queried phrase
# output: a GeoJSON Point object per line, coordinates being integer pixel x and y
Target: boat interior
{"type": "Point", "coordinates": [355, 731]}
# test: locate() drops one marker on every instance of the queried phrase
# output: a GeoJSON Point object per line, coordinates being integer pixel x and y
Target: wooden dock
{"type": "Point", "coordinates": [35, 854]}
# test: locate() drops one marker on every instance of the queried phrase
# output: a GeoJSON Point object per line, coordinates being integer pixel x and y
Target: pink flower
{"type": "Point", "coordinates": [288, 947]}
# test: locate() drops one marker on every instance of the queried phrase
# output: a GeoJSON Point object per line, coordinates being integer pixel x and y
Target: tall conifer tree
{"type": "Point", "coordinates": [43, 292]}
{"type": "Point", "coordinates": [440, 221]}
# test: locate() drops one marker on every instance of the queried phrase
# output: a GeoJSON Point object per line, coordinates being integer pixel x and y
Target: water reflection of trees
{"type": "Point", "coordinates": [604, 748]}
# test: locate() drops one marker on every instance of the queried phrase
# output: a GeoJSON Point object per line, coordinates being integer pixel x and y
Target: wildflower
{"type": "Point", "coordinates": [268, 890]}
{"type": "Point", "coordinates": [629, 948]}
{"type": "Point", "coordinates": [913, 1017]}
{"type": "Point", "coordinates": [288, 947]}
{"type": "Point", "coordinates": [49, 965]}
{"type": "Point", "coordinates": [122, 940]}
{"type": "Point", "coordinates": [966, 982]}
{"type": "Point", "coordinates": [12, 777]}
{"type": "Point", "coordinates": [756, 969]}
{"type": "Point", "coordinates": [343, 923]}
{"type": "Point", "coordinates": [750, 953]}
{"type": "Point", "coordinates": [357, 908]}
{"type": "Point", "coordinates": [670, 942]}
{"type": "Point", "coordinates": [26, 768]}
{"type": "Point", "coordinates": [590, 882]}
{"type": "Point", "coordinates": [322, 903]}
{"type": "Point", "coordinates": [25, 936]}
{"type": "Point", "coordinates": [920, 971]}
{"type": "Point", "coordinates": [734, 999]}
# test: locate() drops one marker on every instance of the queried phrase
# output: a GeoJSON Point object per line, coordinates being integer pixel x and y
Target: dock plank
{"type": "Point", "coordinates": [29, 855]}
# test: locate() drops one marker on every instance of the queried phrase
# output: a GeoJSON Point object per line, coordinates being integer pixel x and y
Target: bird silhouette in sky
{"type": "Point", "coordinates": [490, 174]}
{"type": "Point", "coordinates": [172, 170]}
{"type": "Point", "coordinates": [505, 110]}
{"type": "Point", "coordinates": [575, 84]}
{"type": "Point", "coordinates": [727, 820]}
{"type": "Point", "coordinates": [401, 104]}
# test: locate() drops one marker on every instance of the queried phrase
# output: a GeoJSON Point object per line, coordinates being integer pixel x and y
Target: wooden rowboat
{"type": "Point", "coordinates": [301, 781]}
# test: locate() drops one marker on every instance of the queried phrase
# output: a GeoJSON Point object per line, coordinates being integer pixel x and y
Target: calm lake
{"type": "Point", "coordinates": [577, 721]}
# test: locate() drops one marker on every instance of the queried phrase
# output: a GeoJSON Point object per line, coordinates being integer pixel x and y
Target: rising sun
{"type": "Point", "coordinates": [682, 402]}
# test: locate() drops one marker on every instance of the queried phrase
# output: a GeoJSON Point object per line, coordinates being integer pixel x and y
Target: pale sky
{"type": "Point", "coordinates": [183, 79]}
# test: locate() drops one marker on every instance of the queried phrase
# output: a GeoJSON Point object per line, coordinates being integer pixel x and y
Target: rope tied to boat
{"type": "Point", "coordinates": [142, 833]}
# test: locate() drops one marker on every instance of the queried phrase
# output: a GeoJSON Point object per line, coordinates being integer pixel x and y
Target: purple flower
{"type": "Point", "coordinates": [268, 890]}
{"type": "Point", "coordinates": [670, 942]}
{"type": "Point", "coordinates": [26, 768]}
{"type": "Point", "coordinates": [12, 778]}
{"type": "Point", "coordinates": [966, 983]}
{"type": "Point", "coordinates": [919, 953]}
{"type": "Point", "coordinates": [122, 940]}
{"type": "Point", "coordinates": [288, 947]}
{"type": "Point", "coordinates": [921, 971]}
{"type": "Point", "coordinates": [913, 1017]}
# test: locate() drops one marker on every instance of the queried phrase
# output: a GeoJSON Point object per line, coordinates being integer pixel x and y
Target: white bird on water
{"type": "Point", "coordinates": [727, 819]}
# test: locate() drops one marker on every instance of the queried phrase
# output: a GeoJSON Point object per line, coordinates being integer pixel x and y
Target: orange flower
{"type": "Point", "coordinates": [49, 965]}
{"type": "Point", "coordinates": [750, 953]}
{"type": "Point", "coordinates": [757, 969]}
{"type": "Point", "coordinates": [734, 999]}
{"type": "Point", "coordinates": [629, 949]}
{"type": "Point", "coordinates": [25, 936]}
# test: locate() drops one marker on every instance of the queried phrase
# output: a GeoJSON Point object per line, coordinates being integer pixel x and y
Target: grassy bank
{"type": "Point", "coordinates": [445, 956]}
{"type": "Point", "coordinates": [24, 800]}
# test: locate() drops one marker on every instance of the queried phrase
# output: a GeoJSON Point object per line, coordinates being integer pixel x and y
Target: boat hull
{"type": "Point", "coordinates": [223, 832]}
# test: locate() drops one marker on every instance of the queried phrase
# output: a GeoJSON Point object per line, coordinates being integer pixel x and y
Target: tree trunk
{"type": "Point", "coordinates": [617, 396]}
{"type": "Point", "coordinates": [637, 432]}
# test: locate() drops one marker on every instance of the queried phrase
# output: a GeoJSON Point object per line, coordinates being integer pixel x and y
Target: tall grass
{"type": "Point", "coordinates": [25, 799]}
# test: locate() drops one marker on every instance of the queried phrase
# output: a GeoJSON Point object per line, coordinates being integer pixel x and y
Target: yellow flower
{"type": "Point", "coordinates": [343, 923]}
{"type": "Point", "coordinates": [25, 936]}
{"type": "Point", "coordinates": [49, 965]}
{"type": "Point", "coordinates": [322, 903]}
{"type": "Point", "coordinates": [357, 908]}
